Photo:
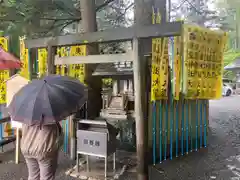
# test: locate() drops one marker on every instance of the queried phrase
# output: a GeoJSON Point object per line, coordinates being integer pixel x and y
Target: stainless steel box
{"type": "Point", "coordinates": [96, 138]}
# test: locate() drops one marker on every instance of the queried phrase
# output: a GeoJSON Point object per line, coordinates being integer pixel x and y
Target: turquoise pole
{"type": "Point", "coordinates": [177, 112]}
{"type": "Point", "coordinates": [160, 130]}
{"type": "Point", "coordinates": [196, 143]}
{"type": "Point", "coordinates": [154, 132]}
{"type": "Point", "coordinates": [191, 125]}
{"type": "Point", "coordinates": [200, 131]}
{"type": "Point", "coordinates": [1, 128]}
{"type": "Point", "coordinates": [182, 129]}
{"type": "Point", "coordinates": [187, 124]}
{"type": "Point", "coordinates": [171, 126]}
{"type": "Point", "coordinates": [205, 122]}
{"type": "Point", "coordinates": [166, 130]}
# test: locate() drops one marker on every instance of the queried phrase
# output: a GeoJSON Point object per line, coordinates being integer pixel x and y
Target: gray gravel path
{"type": "Point", "coordinates": [221, 160]}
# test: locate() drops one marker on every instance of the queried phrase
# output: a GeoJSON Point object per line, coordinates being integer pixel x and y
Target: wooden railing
{"type": "Point", "coordinates": [5, 119]}
{"type": "Point", "coordinates": [9, 139]}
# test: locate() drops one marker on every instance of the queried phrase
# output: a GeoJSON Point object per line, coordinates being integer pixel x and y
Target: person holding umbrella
{"type": "Point", "coordinates": [40, 106]}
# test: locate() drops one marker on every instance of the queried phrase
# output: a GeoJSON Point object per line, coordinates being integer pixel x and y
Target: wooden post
{"type": "Point", "coordinates": [88, 13]}
{"type": "Point", "coordinates": [88, 24]}
{"type": "Point", "coordinates": [50, 58]}
{"type": "Point", "coordinates": [140, 110]}
{"type": "Point", "coordinates": [143, 16]}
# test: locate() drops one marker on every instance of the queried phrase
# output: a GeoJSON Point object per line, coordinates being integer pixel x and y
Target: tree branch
{"type": "Point", "coordinates": [78, 19]}
{"type": "Point", "coordinates": [122, 14]}
{"type": "Point", "coordinates": [60, 19]}
{"type": "Point", "coordinates": [103, 5]}
{"type": "Point", "coordinates": [196, 10]}
{"type": "Point", "coordinates": [10, 20]}
{"type": "Point", "coordinates": [68, 23]}
{"type": "Point", "coordinates": [68, 10]}
{"type": "Point", "coordinates": [179, 6]}
{"type": "Point", "coordinates": [51, 28]}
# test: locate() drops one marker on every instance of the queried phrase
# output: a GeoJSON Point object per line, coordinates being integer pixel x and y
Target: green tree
{"type": "Point", "coordinates": [229, 21]}
{"type": "Point", "coordinates": [194, 11]}
{"type": "Point", "coordinates": [37, 18]}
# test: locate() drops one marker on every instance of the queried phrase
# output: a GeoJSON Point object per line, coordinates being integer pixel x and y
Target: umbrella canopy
{"type": "Point", "coordinates": [48, 100]}
{"type": "Point", "coordinates": [8, 61]}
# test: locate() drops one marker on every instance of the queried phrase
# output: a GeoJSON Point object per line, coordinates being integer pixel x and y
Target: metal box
{"type": "Point", "coordinates": [96, 138]}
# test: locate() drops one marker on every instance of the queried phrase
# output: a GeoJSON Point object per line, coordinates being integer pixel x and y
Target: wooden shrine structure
{"type": "Point", "coordinates": [136, 34]}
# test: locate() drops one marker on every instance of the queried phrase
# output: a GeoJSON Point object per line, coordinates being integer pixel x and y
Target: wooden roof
{"type": "Point", "coordinates": [114, 69]}
{"type": "Point", "coordinates": [234, 65]}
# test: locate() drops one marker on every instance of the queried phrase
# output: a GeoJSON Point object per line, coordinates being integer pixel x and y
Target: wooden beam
{"type": "Point", "coordinates": [5, 119]}
{"type": "Point", "coordinates": [94, 59]}
{"type": "Point", "coordinates": [117, 34]}
{"type": "Point", "coordinates": [139, 112]}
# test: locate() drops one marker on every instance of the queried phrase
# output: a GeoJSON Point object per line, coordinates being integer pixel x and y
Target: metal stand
{"type": "Point", "coordinates": [77, 162]}
{"type": "Point", "coordinates": [105, 172]}
{"type": "Point", "coordinates": [87, 159]}
{"type": "Point", "coordinates": [114, 162]}
{"type": "Point", "coordinates": [105, 165]}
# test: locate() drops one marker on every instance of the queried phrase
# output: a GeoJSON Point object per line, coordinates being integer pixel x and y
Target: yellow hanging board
{"type": "Point", "coordinates": [78, 70]}
{"type": "Point", "coordinates": [4, 74]}
{"type": "Point", "coordinates": [42, 61]}
{"type": "Point", "coordinates": [160, 62]}
{"type": "Point", "coordinates": [177, 66]}
{"type": "Point", "coordinates": [62, 52]}
{"type": "Point", "coordinates": [203, 62]}
{"type": "Point", "coordinates": [24, 58]}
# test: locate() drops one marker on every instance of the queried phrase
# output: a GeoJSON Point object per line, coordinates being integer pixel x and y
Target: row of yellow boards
{"type": "Point", "coordinates": [196, 72]}
{"type": "Point", "coordinates": [195, 67]}
{"type": "Point", "coordinates": [76, 70]}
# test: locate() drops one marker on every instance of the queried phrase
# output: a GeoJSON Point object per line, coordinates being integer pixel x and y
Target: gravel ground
{"type": "Point", "coordinates": [221, 160]}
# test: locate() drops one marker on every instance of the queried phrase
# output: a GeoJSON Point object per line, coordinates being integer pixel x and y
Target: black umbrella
{"type": "Point", "coordinates": [48, 100]}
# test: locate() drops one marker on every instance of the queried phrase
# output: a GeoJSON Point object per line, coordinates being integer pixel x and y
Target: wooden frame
{"type": "Point", "coordinates": [93, 59]}
{"type": "Point", "coordinates": [134, 34]}
{"type": "Point", "coordinates": [117, 34]}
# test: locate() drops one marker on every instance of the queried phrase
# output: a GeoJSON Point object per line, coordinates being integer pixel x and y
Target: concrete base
{"type": "Point", "coordinates": [124, 162]}
{"type": "Point", "coordinates": [171, 168]}
{"type": "Point", "coordinates": [95, 174]}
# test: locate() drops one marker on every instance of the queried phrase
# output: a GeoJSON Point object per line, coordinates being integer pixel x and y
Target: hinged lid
{"type": "Point", "coordinates": [97, 126]}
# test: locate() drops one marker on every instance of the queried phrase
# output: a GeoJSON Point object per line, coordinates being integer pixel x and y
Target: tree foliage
{"type": "Point", "coordinates": [229, 20]}
{"type": "Point", "coordinates": [194, 11]}
{"type": "Point", "coordinates": [37, 18]}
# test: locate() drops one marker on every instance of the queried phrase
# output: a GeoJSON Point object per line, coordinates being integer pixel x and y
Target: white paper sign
{"type": "Point", "coordinates": [16, 124]}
